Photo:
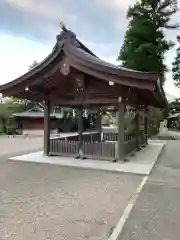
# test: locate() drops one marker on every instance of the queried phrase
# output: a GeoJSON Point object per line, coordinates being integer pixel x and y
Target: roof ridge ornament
{"type": "Point", "coordinates": [66, 35]}
{"type": "Point", "coordinates": [63, 27]}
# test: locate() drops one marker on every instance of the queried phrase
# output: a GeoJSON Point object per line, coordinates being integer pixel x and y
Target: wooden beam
{"type": "Point", "coordinates": [121, 131]}
{"type": "Point", "coordinates": [84, 102]}
{"type": "Point", "coordinates": [80, 132]}
{"type": "Point", "coordinates": [46, 75]}
{"type": "Point", "coordinates": [46, 127]}
{"type": "Point", "coordinates": [108, 76]}
{"type": "Point", "coordinates": [99, 124]}
{"type": "Point", "coordinates": [146, 124]}
{"type": "Point", "coordinates": [137, 130]}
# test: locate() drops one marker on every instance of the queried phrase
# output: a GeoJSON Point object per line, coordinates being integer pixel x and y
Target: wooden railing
{"type": "Point", "coordinates": [93, 150]}
{"type": "Point", "coordinates": [113, 137]}
{"type": "Point", "coordinates": [130, 146]}
{"type": "Point", "coordinates": [110, 136]}
{"type": "Point", "coordinates": [130, 141]}
{"type": "Point", "coordinates": [142, 139]}
{"type": "Point", "coordinates": [106, 150]}
{"type": "Point", "coordinates": [63, 147]}
{"type": "Point", "coordinates": [99, 150]}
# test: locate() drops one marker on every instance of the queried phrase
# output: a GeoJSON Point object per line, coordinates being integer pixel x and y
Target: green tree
{"type": "Point", "coordinates": [33, 65]}
{"type": "Point", "coordinates": [145, 43]}
{"type": "Point", "coordinates": [7, 108]}
{"type": "Point", "coordinates": [176, 65]}
{"type": "Point", "coordinates": [174, 106]}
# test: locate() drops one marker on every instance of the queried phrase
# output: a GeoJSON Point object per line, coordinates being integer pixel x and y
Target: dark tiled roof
{"type": "Point", "coordinates": [175, 115]}
{"type": "Point", "coordinates": [28, 114]}
{"type": "Point", "coordinates": [37, 111]}
{"type": "Point", "coordinates": [82, 59]}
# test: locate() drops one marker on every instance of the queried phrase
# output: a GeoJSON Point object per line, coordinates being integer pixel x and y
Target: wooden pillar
{"type": "Point", "coordinates": [99, 125]}
{"type": "Point", "coordinates": [80, 131]}
{"type": "Point", "coordinates": [146, 124]}
{"type": "Point", "coordinates": [137, 130]}
{"type": "Point", "coordinates": [47, 128]}
{"type": "Point", "coordinates": [121, 130]}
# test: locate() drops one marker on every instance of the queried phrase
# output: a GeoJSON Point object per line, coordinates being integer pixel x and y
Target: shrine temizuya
{"type": "Point", "coordinates": [73, 76]}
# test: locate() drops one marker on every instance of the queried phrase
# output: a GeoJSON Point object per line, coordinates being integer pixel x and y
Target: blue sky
{"type": "Point", "coordinates": [28, 30]}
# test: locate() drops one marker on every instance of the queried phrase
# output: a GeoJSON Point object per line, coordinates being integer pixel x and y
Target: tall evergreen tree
{"type": "Point", "coordinates": [145, 43]}
{"type": "Point", "coordinates": [176, 65]}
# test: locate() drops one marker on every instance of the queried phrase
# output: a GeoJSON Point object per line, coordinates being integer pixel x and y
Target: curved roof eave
{"type": "Point", "coordinates": [162, 93]}
{"type": "Point", "coordinates": [79, 53]}
{"type": "Point", "coordinates": [84, 58]}
{"type": "Point", "coordinates": [55, 52]}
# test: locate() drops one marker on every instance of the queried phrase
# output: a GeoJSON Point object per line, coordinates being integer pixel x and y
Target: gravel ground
{"type": "Point", "coordinates": [9, 146]}
{"type": "Point", "coordinates": [41, 201]}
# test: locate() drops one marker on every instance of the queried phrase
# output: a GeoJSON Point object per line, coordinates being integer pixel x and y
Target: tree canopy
{"type": "Point", "coordinates": [7, 108]}
{"type": "Point", "coordinates": [176, 65]}
{"type": "Point", "coordinates": [33, 65]}
{"type": "Point", "coordinates": [174, 106]}
{"type": "Point", "coordinates": [145, 43]}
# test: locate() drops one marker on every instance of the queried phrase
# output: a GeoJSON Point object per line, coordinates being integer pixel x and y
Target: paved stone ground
{"type": "Point", "coordinates": [156, 214]}
{"type": "Point", "coordinates": [12, 146]}
{"type": "Point", "coordinates": [141, 163]}
{"type": "Point", "coordinates": [42, 201]}
{"type": "Point", "coordinates": [169, 135]}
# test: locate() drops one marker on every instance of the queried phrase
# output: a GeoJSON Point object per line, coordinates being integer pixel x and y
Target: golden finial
{"type": "Point", "coordinates": [62, 25]}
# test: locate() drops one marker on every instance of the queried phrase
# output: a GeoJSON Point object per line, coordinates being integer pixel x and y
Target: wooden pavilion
{"type": "Point", "coordinates": [32, 120]}
{"type": "Point", "coordinates": [73, 76]}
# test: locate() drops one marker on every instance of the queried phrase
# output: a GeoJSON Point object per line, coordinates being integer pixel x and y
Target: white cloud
{"type": "Point", "coordinates": [50, 11]}
{"type": "Point", "coordinates": [57, 11]}
{"type": "Point", "coordinates": [172, 90]}
{"type": "Point", "coordinates": [49, 7]}
{"type": "Point", "coordinates": [44, 8]}
{"type": "Point", "coordinates": [119, 8]}
{"type": "Point", "coordinates": [105, 49]}
{"type": "Point", "coordinates": [116, 5]}
{"type": "Point", "coordinates": [17, 54]}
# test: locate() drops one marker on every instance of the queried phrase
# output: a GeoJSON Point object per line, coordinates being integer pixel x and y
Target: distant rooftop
{"type": "Point", "coordinates": [37, 111]}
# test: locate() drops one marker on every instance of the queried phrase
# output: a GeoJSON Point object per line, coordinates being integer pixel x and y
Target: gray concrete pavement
{"type": "Point", "coordinates": [156, 214]}
{"type": "Point", "coordinates": [42, 201]}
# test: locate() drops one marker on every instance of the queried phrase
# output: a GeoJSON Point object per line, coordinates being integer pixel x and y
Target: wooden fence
{"type": "Point", "coordinates": [142, 140]}
{"type": "Point", "coordinates": [63, 147]}
{"type": "Point", "coordinates": [110, 136]}
{"type": "Point", "coordinates": [106, 150]}
{"type": "Point", "coordinates": [130, 141]}
{"type": "Point", "coordinates": [99, 150]}
{"type": "Point", "coordinates": [113, 137]}
{"type": "Point", "coordinates": [130, 146]}
{"type": "Point", "coordinates": [93, 150]}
